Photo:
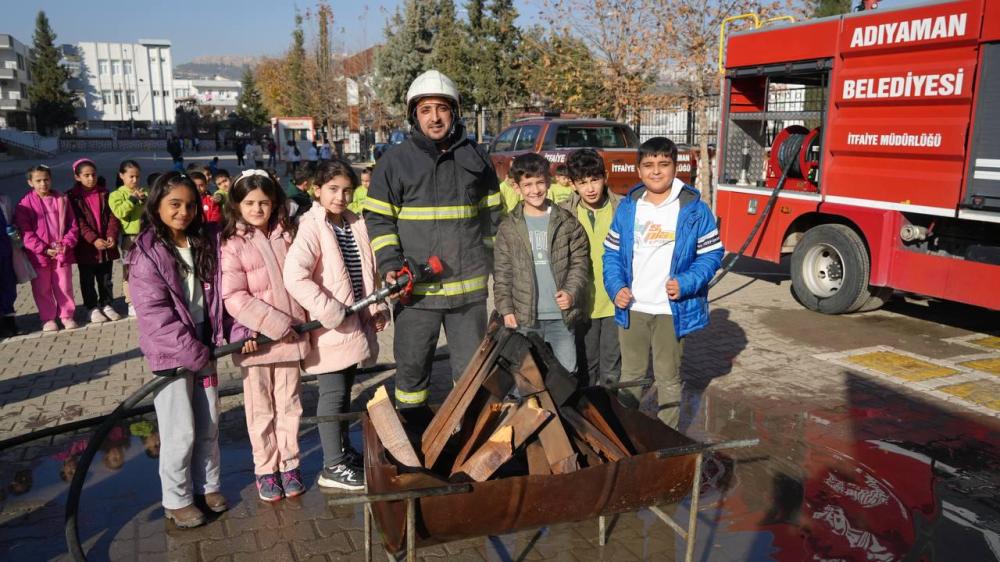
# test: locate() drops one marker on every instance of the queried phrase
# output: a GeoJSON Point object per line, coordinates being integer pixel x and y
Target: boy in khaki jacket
{"type": "Point", "coordinates": [542, 263]}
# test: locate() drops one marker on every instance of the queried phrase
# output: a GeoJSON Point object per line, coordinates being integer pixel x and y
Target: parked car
{"type": "Point", "coordinates": [555, 138]}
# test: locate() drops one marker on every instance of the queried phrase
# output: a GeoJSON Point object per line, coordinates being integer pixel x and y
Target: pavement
{"type": "Point", "coordinates": [879, 440]}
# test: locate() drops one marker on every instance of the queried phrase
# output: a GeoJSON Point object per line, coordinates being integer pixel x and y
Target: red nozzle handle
{"type": "Point", "coordinates": [434, 265]}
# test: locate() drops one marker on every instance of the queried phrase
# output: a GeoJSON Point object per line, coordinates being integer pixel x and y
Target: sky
{"type": "Point", "coordinates": [203, 27]}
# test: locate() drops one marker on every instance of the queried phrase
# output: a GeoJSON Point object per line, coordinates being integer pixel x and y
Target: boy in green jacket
{"type": "Point", "coordinates": [594, 206]}
{"type": "Point", "coordinates": [127, 204]}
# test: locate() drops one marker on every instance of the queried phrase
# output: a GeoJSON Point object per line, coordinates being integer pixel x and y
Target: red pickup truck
{"type": "Point", "coordinates": [555, 138]}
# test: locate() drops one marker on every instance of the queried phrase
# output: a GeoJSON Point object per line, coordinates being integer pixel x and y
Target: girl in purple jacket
{"type": "Point", "coordinates": [174, 279]}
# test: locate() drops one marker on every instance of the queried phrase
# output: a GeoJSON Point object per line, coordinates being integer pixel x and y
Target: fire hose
{"type": "Point", "coordinates": [410, 274]}
{"type": "Point", "coordinates": [788, 158]}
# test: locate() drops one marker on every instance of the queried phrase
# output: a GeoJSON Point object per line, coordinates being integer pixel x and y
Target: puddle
{"type": "Point", "coordinates": [871, 475]}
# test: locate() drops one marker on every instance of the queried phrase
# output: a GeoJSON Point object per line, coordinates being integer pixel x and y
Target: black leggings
{"type": "Point", "coordinates": [334, 398]}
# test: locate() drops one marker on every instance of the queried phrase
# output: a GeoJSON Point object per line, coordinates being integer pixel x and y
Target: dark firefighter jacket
{"type": "Point", "coordinates": [423, 202]}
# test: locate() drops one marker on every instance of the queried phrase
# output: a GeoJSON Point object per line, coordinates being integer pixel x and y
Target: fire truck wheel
{"type": "Point", "coordinates": [879, 296]}
{"type": "Point", "coordinates": [830, 267]}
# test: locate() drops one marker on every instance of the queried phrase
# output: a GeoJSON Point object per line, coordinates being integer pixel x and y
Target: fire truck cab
{"type": "Point", "coordinates": [883, 129]}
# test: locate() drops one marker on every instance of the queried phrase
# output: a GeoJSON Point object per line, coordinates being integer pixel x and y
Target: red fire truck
{"type": "Point", "coordinates": [875, 137]}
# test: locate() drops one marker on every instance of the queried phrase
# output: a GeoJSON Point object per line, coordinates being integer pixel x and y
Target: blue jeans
{"type": "Point", "coordinates": [560, 339]}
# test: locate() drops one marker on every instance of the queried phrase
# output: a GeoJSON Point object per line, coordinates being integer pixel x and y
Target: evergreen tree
{"type": "Point", "coordinates": [448, 53]}
{"type": "Point", "coordinates": [406, 52]}
{"type": "Point", "coordinates": [51, 102]}
{"type": "Point", "coordinates": [494, 53]}
{"type": "Point", "coordinates": [250, 105]}
{"type": "Point", "coordinates": [824, 8]}
{"type": "Point", "coordinates": [295, 72]}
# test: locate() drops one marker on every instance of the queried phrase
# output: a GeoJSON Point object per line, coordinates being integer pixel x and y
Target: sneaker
{"type": "Point", "coordinates": [291, 482]}
{"type": "Point", "coordinates": [268, 488]}
{"type": "Point", "coordinates": [50, 326]}
{"type": "Point", "coordinates": [185, 517]}
{"type": "Point", "coordinates": [131, 311]}
{"type": "Point", "coordinates": [96, 316]}
{"type": "Point", "coordinates": [342, 476]}
{"type": "Point", "coordinates": [70, 324]}
{"type": "Point", "coordinates": [214, 501]}
{"type": "Point", "coordinates": [111, 313]}
{"type": "Point", "coordinates": [353, 457]}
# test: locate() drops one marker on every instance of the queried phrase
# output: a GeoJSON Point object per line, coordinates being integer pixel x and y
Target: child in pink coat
{"type": "Point", "coordinates": [329, 267]}
{"type": "Point", "coordinates": [255, 241]}
{"type": "Point", "coordinates": [49, 232]}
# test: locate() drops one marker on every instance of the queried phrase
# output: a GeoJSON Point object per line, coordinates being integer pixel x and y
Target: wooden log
{"type": "Point", "coordinates": [513, 432]}
{"type": "Point", "coordinates": [592, 414]}
{"type": "Point", "coordinates": [589, 455]}
{"type": "Point", "coordinates": [558, 449]}
{"type": "Point", "coordinates": [487, 421]}
{"type": "Point", "coordinates": [538, 465]}
{"type": "Point", "coordinates": [390, 430]}
{"type": "Point", "coordinates": [449, 416]}
{"type": "Point", "coordinates": [592, 435]}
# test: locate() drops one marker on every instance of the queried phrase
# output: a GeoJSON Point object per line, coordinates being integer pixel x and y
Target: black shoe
{"type": "Point", "coordinates": [342, 476]}
{"type": "Point", "coordinates": [353, 458]}
{"type": "Point", "coordinates": [8, 327]}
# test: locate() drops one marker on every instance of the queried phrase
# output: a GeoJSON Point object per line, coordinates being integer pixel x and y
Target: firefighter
{"type": "Point", "coordinates": [436, 194]}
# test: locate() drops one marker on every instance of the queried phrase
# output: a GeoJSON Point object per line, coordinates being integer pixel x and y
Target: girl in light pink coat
{"type": "Point", "coordinates": [49, 231]}
{"type": "Point", "coordinates": [255, 241]}
{"type": "Point", "coordinates": [330, 266]}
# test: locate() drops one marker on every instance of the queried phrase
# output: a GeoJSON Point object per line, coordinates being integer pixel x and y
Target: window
{"type": "Point", "coordinates": [118, 97]}
{"type": "Point", "coordinates": [180, 93]}
{"type": "Point", "coordinates": [166, 94]}
{"type": "Point", "coordinates": [526, 140]}
{"type": "Point", "coordinates": [156, 93]}
{"type": "Point", "coordinates": [505, 141]}
{"type": "Point", "coordinates": [20, 62]}
{"type": "Point", "coordinates": [116, 68]}
{"type": "Point", "coordinates": [102, 67]}
{"type": "Point", "coordinates": [131, 98]}
{"type": "Point", "coordinates": [106, 98]}
{"type": "Point", "coordinates": [128, 68]}
{"type": "Point", "coordinates": [594, 136]}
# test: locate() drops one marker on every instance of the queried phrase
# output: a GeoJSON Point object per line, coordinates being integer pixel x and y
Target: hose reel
{"type": "Point", "coordinates": [795, 149]}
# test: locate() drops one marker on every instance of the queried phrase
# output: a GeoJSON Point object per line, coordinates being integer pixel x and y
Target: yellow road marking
{"type": "Point", "coordinates": [992, 342]}
{"type": "Point", "coordinates": [991, 366]}
{"type": "Point", "coordinates": [983, 392]}
{"type": "Point", "coordinates": [901, 366]}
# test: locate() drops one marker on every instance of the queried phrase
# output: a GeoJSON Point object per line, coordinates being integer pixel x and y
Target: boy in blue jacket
{"type": "Point", "coordinates": [660, 253]}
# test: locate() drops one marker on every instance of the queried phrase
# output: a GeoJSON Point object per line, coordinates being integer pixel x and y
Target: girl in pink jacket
{"type": "Point", "coordinates": [255, 241]}
{"type": "Point", "coordinates": [330, 266]}
{"type": "Point", "coordinates": [49, 231]}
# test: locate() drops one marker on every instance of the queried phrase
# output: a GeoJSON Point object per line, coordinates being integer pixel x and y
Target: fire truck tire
{"type": "Point", "coordinates": [879, 296]}
{"type": "Point", "coordinates": [830, 268]}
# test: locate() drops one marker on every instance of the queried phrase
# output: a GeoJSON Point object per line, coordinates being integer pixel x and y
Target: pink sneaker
{"type": "Point", "coordinates": [70, 324]}
{"type": "Point", "coordinates": [50, 326]}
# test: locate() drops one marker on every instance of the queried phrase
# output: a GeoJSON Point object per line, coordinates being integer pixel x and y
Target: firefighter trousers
{"type": "Point", "coordinates": [415, 339]}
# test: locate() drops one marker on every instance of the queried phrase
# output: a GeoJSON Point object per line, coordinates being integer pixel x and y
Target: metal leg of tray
{"type": "Point", "coordinates": [689, 535]}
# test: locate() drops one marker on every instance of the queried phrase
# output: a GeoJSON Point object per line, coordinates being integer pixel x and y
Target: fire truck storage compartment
{"type": "Point", "coordinates": [764, 101]}
{"type": "Point", "coordinates": [982, 191]}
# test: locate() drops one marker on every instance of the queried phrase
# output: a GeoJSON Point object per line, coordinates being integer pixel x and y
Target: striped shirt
{"type": "Point", "coordinates": [352, 258]}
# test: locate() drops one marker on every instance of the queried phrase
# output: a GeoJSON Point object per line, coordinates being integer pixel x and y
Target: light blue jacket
{"type": "Point", "coordinates": [697, 256]}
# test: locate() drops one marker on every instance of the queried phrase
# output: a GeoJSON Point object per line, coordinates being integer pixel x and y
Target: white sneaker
{"type": "Point", "coordinates": [70, 324]}
{"type": "Point", "coordinates": [111, 313]}
{"type": "Point", "coordinates": [50, 326]}
{"type": "Point", "coordinates": [96, 316]}
{"type": "Point", "coordinates": [131, 311]}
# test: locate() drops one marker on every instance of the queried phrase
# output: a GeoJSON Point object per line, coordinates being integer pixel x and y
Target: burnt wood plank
{"type": "Point", "coordinates": [488, 420]}
{"type": "Point", "coordinates": [592, 414]}
{"type": "Point", "coordinates": [513, 432]}
{"type": "Point", "coordinates": [558, 449]}
{"type": "Point", "coordinates": [592, 435]}
{"type": "Point", "coordinates": [390, 430]}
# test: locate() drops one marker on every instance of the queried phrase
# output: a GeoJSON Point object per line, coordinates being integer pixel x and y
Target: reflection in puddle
{"type": "Point", "coordinates": [874, 476]}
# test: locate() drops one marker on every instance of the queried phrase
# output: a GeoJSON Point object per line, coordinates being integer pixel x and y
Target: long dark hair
{"type": "Point", "coordinates": [201, 240]}
{"type": "Point", "coordinates": [241, 187]}
{"type": "Point", "coordinates": [125, 165]}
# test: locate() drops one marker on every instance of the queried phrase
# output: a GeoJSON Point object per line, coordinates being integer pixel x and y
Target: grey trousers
{"type": "Point", "coordinates": [601, 353]}
{"type": "Point", "coordinates": [648, 332]}
{"type": "Point", "coordinates": [334, 398]}
{"type": "Point", "coordinates": [187, 412]}
{"type": "Point", "coordinates": [415, 339]}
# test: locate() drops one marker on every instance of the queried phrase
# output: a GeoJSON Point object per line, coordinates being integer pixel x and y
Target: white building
{"type": "Point", "coordinates": [121, 85]}
{"type": "Point", "coordinates": [218, 94]}
{"type": "Point", "coordinates": [15, 77]}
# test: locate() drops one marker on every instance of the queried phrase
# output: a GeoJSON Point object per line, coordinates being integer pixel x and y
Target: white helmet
{"type": "Point", "coordinates": [432, 83]}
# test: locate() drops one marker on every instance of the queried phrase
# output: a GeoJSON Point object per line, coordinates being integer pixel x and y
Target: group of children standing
{"type": "Point", "coordinates": [607, 281]}
{"type": "Point", "coordinates": [195, 285]}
